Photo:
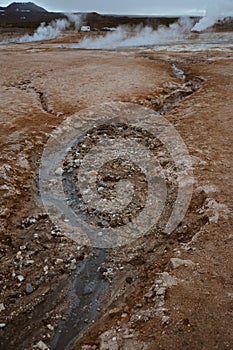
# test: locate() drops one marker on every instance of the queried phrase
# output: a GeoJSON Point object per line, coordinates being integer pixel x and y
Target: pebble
{"type": "Point", "coordinates": [149, 295]}
{"type": "Point", "coordinates": [19, 255]}
{"type": "Point", "coordinates": [59, 171]}
{"type": "Point", "coordinates": [41, 346]}
{"type": "Point", "coordinates": [2, 325]}
{"type": "Point", "coordinates": [2, 307]}
{"type": "Point", "coordinates": [160, 291]}
{"type": "Point", "coordinates": [52, 273]}
{"type": "Point", "coordinates": [176, 262]}
{"type": "Point", "coordinates": [55, 233]}
{"type": "Point", "coordinates": [50, 327]}
{"type": "Point", "coordinates": [32, 220]}
{"type": "Point", "coordinates": [20, 278]}
{"type": "Point", "coordinates": [29, 262]}
{"type": "Point", "coordinates": [138, 306]}
{"type": "Point", "coordinates": [29, 288]}
{"type": "Point", "coordinates": [165, 319]}
{"type": "Point", "coordinates": [36, 236]}
{"type": "Point", "coordinates": [59, 261]}
{"type": "Point", "coordinates": [88, 289]}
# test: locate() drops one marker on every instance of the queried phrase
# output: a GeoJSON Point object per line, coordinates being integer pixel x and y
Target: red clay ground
{"type": "Point", "coordinates": [152, 303]}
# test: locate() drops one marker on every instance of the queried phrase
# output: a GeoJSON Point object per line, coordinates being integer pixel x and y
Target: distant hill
{"type": "Point", "coordinates": [25, 14]}
{"type": "Point", "coordinates": [24, 7]}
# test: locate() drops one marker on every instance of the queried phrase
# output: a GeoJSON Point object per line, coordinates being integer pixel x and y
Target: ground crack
{"type": "Point", "coordinates": [174, 93]}
{"type": "Point", "coordinates": [27, 85]}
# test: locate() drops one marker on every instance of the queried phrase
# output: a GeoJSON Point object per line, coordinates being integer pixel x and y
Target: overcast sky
{"type": "Point", "coordinates": [189, 7]}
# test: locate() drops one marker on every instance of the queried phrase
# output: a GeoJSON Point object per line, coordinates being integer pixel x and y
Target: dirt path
{"type": "Point", "coordinates": [151, 302]}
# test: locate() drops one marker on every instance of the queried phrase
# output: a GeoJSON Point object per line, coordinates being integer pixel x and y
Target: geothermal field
{"type": "Point", "coordinates": [116, 187]}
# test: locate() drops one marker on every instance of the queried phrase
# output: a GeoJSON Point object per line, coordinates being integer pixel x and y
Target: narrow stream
{"type": "Point", "coordinates": [89, 289]}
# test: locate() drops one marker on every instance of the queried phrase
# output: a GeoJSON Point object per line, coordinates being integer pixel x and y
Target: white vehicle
{"type": "Point", "coordinates": [85, 29]}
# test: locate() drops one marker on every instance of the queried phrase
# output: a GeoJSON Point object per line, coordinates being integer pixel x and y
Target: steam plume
{"type": "Point", "coordinates": [50, 31]}
{"type": "Point", "coordinates": [216, 10]}
{"type": "Point", "coordinates": [140, 36]}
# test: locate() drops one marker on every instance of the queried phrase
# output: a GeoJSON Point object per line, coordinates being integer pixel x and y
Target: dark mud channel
{"type": "Point", "coordinates": [89, 290]}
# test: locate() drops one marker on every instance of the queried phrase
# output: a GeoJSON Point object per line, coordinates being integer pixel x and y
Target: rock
{"type": "Point", "coordinates": [20, 278]}
{"type": "Point", "coordinates": [29, 288]}
{"type": "Point", "coordinates": [138, 306]}
{"type": "Point", "coordinates": [2, 325]}
{"type": "Point", "coordinates": [29, 262]}
{"type": "Point", "coordinates": [32, 220]}
{"type": "Point", "coordinates": [2, 307]}
{"type": "Point", "coordinates": [59, 171]}
{"type": "Point", "coordinates": [36, 236]}
{"type": "Point", "coordinates": [165, 319]}
{"type": "Point", "coordinates": [59, 261]}
{"type": "Point", "coordinates": [149, 294]}
{"type": "Point", "coordinates": [50, 327]}
{"type": "Point", "coordinates": [176, 262]}
{"type": "Point", "coordinates": [108, 341]}
{"type": "Point", "coordinates": [52, 273]}
{"type": "Point", "coordinates": [89, 288]}
{"type": "Point", "coordinates": [55, 233]}
{"type": "Point", "coordinates": [161, 291]}
{"type": "Point", "coordinates": [19, 255]}
{"type": "Point", "coordinates": [168, 280]}
{"type": "Point", "coordinates": [41, 346]}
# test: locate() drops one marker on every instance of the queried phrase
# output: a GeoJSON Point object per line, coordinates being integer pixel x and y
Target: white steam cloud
{"type": "Point", "coordinates": [216, 10]}
{"type": "Point", "coordinates": [140, 36]}
{"type": "Point", "coordinates": [51, 30]}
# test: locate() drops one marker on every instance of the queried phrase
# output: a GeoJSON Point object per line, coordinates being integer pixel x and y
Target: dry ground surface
{"type": "Point", "coordinates": [164, 292]}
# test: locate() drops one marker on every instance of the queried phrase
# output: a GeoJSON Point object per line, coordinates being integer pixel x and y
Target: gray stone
{"type": "Point", "coordinates": [20, 278]}
{"type": "Point", "coordinates": [29, 288]}
{"type": "Point", "coordinates": [41, 346]}
{"type": "Point", "coordinates": [176, 262]}
{"type": "Point", "coordinates": [59, 171]}
{"type": "Point", "coordinates": [161, 291]}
